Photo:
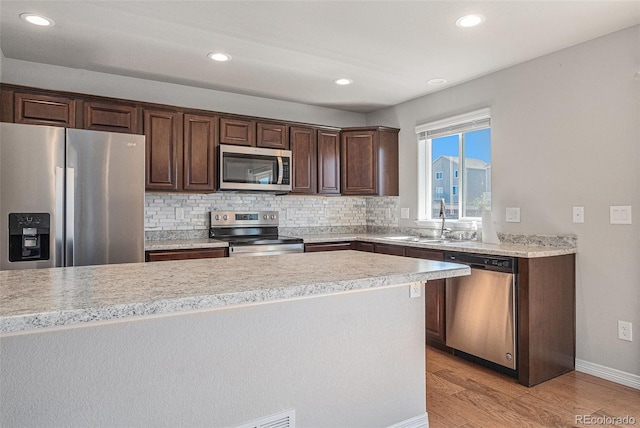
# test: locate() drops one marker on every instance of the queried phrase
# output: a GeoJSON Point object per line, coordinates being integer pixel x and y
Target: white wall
{"type": "Point", "coordinates": [89, 82]}
{"type": "Point", "coordinates": [565, 132]}
{"type": "Point", "coordinates": [347, 360]}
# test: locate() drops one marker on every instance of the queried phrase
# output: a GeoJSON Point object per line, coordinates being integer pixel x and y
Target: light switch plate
{"type": "Point", "coordinates": [513, 215]}
{"type": "Point", "coordinates": [404, 213]}
{"type": "Point", "coordinates": [620, 214]}
{"type": "Point", "coordinates": [578, 214]}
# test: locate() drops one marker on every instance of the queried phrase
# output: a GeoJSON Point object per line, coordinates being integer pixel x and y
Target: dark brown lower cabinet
{"type": "Point", "coordinates": [393, 250]}
{"type": "Point", "coordinates": [546, 318]}
{"type": "Point", "coordinates": [200, 253]}
{"type": "Point", "coordinates": [434, 300]}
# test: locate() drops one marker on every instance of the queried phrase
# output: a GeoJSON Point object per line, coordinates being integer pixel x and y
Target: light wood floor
{"type": "Point", "coordinates": [464, 394]}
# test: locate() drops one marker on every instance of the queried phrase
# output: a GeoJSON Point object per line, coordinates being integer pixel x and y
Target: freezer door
{"type": "Point", "coordinates": [481, 316]}
{"type": "Point", "coordinates": [31, 182]}
{"type": "Point", "coordinates": [105, 198]}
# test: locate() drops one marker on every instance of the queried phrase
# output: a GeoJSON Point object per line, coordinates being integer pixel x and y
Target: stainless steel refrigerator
{"type": "Point", "coordinates": [70, 197]}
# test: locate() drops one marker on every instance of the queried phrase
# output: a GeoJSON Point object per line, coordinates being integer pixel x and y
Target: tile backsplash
{"type": "Point", "coordinates": [344, 214]}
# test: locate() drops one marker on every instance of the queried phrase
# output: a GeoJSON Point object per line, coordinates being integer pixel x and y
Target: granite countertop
{"type": "Point", "coordinates": [38, 298]}
{"type": "Point", "coordinates": [511, 250]}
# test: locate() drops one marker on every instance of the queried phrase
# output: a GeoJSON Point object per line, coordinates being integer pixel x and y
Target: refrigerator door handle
{"type": "Point", "coordinates": [70, 216]}
{"type": "Point", "coordinates": [59, 218]}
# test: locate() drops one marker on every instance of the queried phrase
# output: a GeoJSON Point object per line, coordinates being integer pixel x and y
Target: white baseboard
{"type": "Point", "coordinates": [421, 421]}
{"type": "Point", "coordinates": [614, 375]}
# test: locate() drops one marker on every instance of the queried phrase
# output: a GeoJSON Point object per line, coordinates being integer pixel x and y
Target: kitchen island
{"type": "Point", "coordinates": [217, 342]}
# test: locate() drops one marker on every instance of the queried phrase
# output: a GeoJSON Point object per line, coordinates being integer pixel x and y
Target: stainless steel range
{"type": "Point", "coordinates": [252, 233]}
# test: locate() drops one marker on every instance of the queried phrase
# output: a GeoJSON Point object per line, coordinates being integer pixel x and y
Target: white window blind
{"type": "Point", "coordinates": [454, 125]}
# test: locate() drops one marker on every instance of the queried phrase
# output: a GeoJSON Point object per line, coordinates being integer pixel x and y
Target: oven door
{"type": "Point", "coordinates": [253, 168]}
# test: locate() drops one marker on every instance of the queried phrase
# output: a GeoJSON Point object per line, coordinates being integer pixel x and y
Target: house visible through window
{"type": "Point", "coordinates": [457, 153]}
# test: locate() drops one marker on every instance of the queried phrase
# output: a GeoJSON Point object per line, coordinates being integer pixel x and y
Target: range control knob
{"type": "Point", "coordinates": [217, 217]}
{"type": "Point", "coordinates": [265, 216]}
{"type": "Point", "coordinates": [272, 217]}
{"type": "Point", "coordinates": [225, 217]}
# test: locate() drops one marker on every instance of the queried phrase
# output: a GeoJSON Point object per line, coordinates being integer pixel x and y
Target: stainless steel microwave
{"type": "Point", "coordinates": [254, 168]}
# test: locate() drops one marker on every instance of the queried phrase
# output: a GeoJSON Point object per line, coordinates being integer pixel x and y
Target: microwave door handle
{"type": "Point", "coordinates": [280, 170]}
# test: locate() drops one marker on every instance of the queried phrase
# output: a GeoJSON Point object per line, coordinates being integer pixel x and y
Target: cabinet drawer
{"type": "Point", "coordinates": [201, 253]}
{"type": "Point", "coordinates": [329, 246]}
{"type": "Point", "coordinates": [394, 250]}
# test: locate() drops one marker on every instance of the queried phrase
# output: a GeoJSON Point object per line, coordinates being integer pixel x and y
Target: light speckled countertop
{"type": "Point", "coordinates": [37, 298]}
{"type": "Point", "coordinates": [511, 250]}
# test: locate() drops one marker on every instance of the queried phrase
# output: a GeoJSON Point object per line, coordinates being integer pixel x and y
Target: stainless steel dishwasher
{"type": "Point", "coordinates": [481, 316]}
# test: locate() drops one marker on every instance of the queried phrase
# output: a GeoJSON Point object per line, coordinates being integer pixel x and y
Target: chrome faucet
{"type": "Point", "coordinates": [442, 216]}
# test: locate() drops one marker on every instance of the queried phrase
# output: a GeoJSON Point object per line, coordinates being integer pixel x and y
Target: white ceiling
{"type": "Point", "coordinates": [294, 50]}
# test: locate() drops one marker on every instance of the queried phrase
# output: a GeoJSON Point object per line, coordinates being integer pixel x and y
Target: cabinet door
{"type": "Point", "coordinates": [328, 162]}
{"type": "Point", "coordinates": [237, 132]}
{"type": "Point", "coordinates": [304, 164]}
{"type": "Point", "coordinates": [272, 135]}
{"type": "Point", "coordinates": [39, 109]}
{"type": "Point", "coordinates": [110, 117]}
{"type": "Point", "coordinates": [434, 299]}
{"type": "Point", "coordinates": [163, 144]}
{"type": "Point", "coordinates": [199, 152]}
{"type": "Point", "coordinates": [359, 163]}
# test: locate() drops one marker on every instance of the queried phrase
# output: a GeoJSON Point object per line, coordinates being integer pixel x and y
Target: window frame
{"type": "Point", "coordinates": [454, 125]}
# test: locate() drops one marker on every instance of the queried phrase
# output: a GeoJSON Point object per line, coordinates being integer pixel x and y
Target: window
{"type": "Point", "coordinates": [459, 148]}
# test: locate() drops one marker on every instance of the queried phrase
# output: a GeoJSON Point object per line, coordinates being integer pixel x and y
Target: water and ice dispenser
{"type": "Point", "coordinates": [29, 236]}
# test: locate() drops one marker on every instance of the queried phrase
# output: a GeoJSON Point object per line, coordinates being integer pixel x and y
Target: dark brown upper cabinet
{"type": "Point", "coordinates": [272, 135]}
{"type": "Point", "coordinates": [237, 132]}
{"type": "Point", "coordinates": [328, 162]}
{"type": "Point", "coordinates": [304, 164]}
{"type": "Point", "coordinates": [38, 109]}
{"type": "Point", "coordinates": [199, 154]}
{"type": "Point", "coordinates": [163, 132]}
{"type": "Point", "coordinates": [369, 161]}
{"type": "Point", "coordinates": [101, 116]}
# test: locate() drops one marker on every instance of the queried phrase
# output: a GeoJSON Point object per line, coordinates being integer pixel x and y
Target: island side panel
{"type": "Point", "coordinates": [352, 359]}
{"type": "Point", "coordinates": [547, 318]}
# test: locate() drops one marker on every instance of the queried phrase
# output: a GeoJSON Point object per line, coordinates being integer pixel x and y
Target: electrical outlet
{"type": "Point", "coordinates": [179, 213]}
{"type": "Point", "coordinates": [624, 331]}
{"type": "Point", "coordinates": [404, 213]}
{"type": "Point", "coordinates": [578, 214]}
{"type": "Point", "coordinates": [416, 289]}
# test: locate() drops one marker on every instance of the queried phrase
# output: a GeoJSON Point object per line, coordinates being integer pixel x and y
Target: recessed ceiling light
{"type": "Point", "coordinates": [343, 81]}
{"type": "Point", "coordinates": [39, 20]}
{"type": "Point", "coordinates": [470, 20]}
{"type": "Point", "coordinates": [436, 82]}
{"type": "Point", "coordinates": [219, 56]}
